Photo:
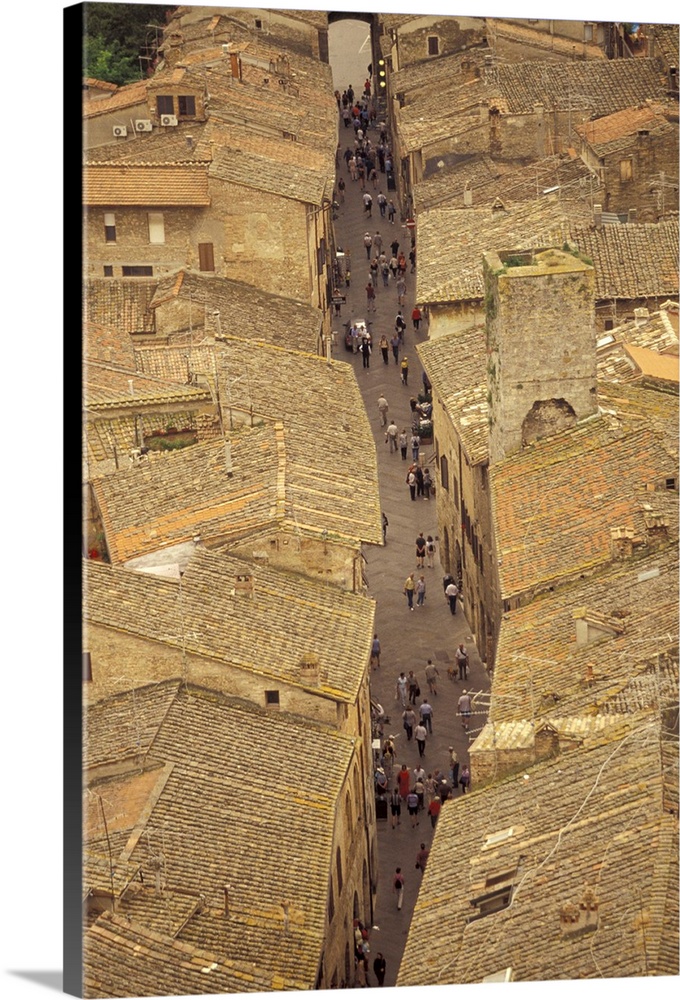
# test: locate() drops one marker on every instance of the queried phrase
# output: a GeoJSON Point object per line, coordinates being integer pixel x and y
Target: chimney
{"type": "Point", "coordinates": [622, 543]}
{"type": "Point", "coordinates": [632, 214]}
{"type": "Point", "coordinates": [546, 742]}
{"type": "Point", "coordinates": [581, 918]}
{"type": "Point", "coordinates": [467, 195]}
{"type": "Point", "coordinates": [244, 585]}
{"type": "Point", "coordinates": [597, 216]}
{"type": "Point", "coordinates": [309, 669]}
{"type": "Point", "coordinates": [657, 530]}
{"type": "Point", "coordinates": [641, 316]}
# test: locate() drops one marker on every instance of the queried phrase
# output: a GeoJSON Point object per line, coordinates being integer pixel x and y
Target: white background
{"type": "Point", "coordinates": [32, 330]}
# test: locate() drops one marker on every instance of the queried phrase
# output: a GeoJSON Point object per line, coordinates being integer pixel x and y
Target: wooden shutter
{"type": "Point", "coordinates": [206, 258]}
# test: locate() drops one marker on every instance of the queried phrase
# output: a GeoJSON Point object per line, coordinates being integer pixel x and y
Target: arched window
{"type": "Point", "coordinates": [338, 868]}
{"type": "Point", "coordinates": [444, 472]}
{"type": "Point", "coordinates": [348, 816]}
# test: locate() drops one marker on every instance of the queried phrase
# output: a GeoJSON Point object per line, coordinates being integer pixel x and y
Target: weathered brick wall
{"type": "Point", "coordinates": [650, 156]}
{"type": "Point", "coordinates": [453, 33]}
{"type": "Point", "coordinates": [184, 229]}
{"type": "Point", "coordinates": [490, 765]}
{"type": "Point", "coordinates": [540, 344]}
{"type": "Point", "coordinates": [121, 661]}
{"type": "Point", "coordinates": [313, 558]}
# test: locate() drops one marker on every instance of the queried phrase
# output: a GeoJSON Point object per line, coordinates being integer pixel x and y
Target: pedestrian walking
{"type": "Point", "coordinates": [419, 480]}
{"type": "Point", "coordinates": [400, 325]}
{"type": "Point", "coordinates": [395, 807]}
{"type": "Point", "coordinates": [377, 241]}
{"type": "Point", "coordinates": [393, 266]}
{"type": "Point", "coordinates": [408, 719]}
{"type": "Point", "coordinates": [384, 346]}
{"type": "Point", "coordinates": [421, 587]}
{"type": "Point", "coordinates": [352, 167]}
{"type": "Point", "coordinates": [452, 595]}
{"type": "Point", "coordinates": [383, 407]}
{"type": "Point", "coordinates": [421, 546]}
{"type": "Point", "coordinates": [391, 436]}
{"type": "Point", "coordinates": [461, 656]}
{"type": "Point", "coordinates": [382, 201]}
{"type": "Point", "coordinates": [431, 675]}
{"type": "Point", "coordinates": [341, 189]}
{"type": "Point", "coordinates": [368, 201]}
{"type": "Point", "coordinates": [413, 688]}
{"type": "Point", "coordinates": [370, 299]}
{"type": "Point", "coordinates": [415, 447]}
{"type": "Point", "coordinates": [420, 733]}
{"type": "Point", "coordinates": [401, 291]}
{"type": "Point", "coordinates": [430, 789]}
{"type": "Point", "coordinates": [410, 584]}
{"type": "Point", "coordinates": [404, 782]}
{"type": "Point", "coordinates": [427, 486]}
{"type": "Point", "coordinates": [395, 344]}
{"type": "Point", "coordinates": [464, 780]}
{"type": "Point", "coordinates": [403, 443]}
{"type": "Point", "coordinates": [419, 789]}
{"type": "Point", "coordinates": [402, 689]}
{"type": "Point", "coordinates": [385, 272]}
{"type": "Point", "coordinates": [365, 352]}
{"type": "Point", "coordinates": [391, 211]}
{"type": "Point", "coordinates": [373, 271]}
{"type": "Point", "coordinates": [413, 808]}
{"type": "Point", "coordinates": [398, 883]}
{"type": "Point", "coordinates": [434, 808]}
{"type": "Point", "coordinates": [379, 966]}
{"type": "Point", "coordinates": [429, 544]}
{"type": "Point", "coordinates": [421, 858]}
{"type": "Point", "coordinates": [465, 709]}
{"type": "Point", "coordinates": [412, 258]}
{"type": "Point", "coordinates": [368, 245]}
{"type": "Point", "coordinates": [404, 371]}
{"type": "Point", "coordinates": [375, 652]}
{"type": "Point", "coordinates": [419, 773]}
{"type": "Point", "coordinates": [454, 764]}
{"type": "Point", "coordinates": [411, 482]}
{"type": "Point", "coordinates": [426, 714]}
{"type": "Point", "coordinates": [394, 246]}
{"type": "Point", "coordinates": [416, 317]}
{"type": "Point", "coordinates": [385, 526]}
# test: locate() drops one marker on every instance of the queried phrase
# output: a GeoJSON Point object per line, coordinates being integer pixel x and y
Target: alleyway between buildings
{"type": "Point", "coordinates": [407, 638]}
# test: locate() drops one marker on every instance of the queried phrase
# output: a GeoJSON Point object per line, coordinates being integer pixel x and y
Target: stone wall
{"type": "Point", "coordinates": [184, 229]}
{"type": "Point", "coordinates": [453, 34]}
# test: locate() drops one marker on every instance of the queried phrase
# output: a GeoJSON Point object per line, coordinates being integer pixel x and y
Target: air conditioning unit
{"type": "Point", "coordinates": [119, 131]}
{"type": "Point", "coordinates": [143, 125]}
{"type": "Point", "coordinates": [168, 119]}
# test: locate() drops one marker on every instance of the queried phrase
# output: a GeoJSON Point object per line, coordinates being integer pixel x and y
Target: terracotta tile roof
{"type": "Point", "coordinates": [540, 671]}
{"type": "Point", "coordinates": [108, 344]}
{"type": "Point", "coordinates": [609, 133]}
{"type": "Point", "coordinates": [110, 438]}
{"type": "Point", "coordinates": [592, 820]}
{"type": "Point", "coordinates": [124, 727]}
{"type": "Point", "coordinates": [488, 180]}
{"type": "Point", "coordinates": [108, 386]}
{"type": "Point", "coordinates": [652, 364]}
{"type": "Point", "coordinates": [89, 81]}
{"type": "Point", "coordinates": [208, 842]}
{"type": "Point", "coordinates": [666, 42]}
{"type": "Point", "coordinates": [654, 334]}
{"type": "Point", "coordinates": [556, 502]}
{"type": "Point", "coordinates": [123, 958]}
{"type": "Point", "coordinates": [456, 367]}
{"type": "Point", "coordinates": [415, 80]}
{"type": "Point", "coordinates": [124, 97]}
{"type": "Point", "coordinates": [641, 402]}
{"type": "Point", "coordinates": [177, 363]}
{"type": "Point", "coordinates": [145, 185]}
{"type": "Point", "coordinates": [160, 147]}
{"type": "Point", "coordinates": [520, 734]}
{"type": "Point", "coordinates": [332, 624]}
{"type": "Point", "coordinates": [249, 170]}
{"type": "Point", "coordinates": [173, 496]}
{"type": "Point", "coordinates": [120, 304]}
{"type": "Point", "coordinates": [269, 317]}
{"type": "Point", "coordinates": [599, 88]}
{"type": "Point", "coordinates": [331, 470]}
{"type": "Point", "coordinates": [451, 242]}
{"type": "Point", "coordinates": [632, 261]}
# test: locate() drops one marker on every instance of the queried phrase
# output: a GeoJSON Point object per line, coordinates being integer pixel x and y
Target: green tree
{"type": "Point", "coordinates": [114, 37]}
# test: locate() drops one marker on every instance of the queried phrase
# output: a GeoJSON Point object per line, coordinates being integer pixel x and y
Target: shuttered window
{"type": "Point", "coordinates": [206, 258]}
{"type": "Point", "coordinates": [156, 227]}
{"type": "Point", "coordinates": [165, 105]}
{"type": "Point", "coordinates": [110, 227]}
{"type": "Point", "coordinates": [186, 104]}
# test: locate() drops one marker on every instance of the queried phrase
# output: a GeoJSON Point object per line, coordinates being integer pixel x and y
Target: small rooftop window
{"type": "Point", "coordinates": [497, 838]}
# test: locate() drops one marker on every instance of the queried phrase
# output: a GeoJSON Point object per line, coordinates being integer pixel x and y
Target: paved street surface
{"type": "Point", "coordinates": [407, 638]}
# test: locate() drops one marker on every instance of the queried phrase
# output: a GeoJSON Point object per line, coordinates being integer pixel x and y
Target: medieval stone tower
{"type": "Point", "coordinates": [541, 343]}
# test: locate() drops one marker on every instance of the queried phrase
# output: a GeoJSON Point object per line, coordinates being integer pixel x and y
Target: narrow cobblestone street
{"type": "Point", "coordinates": [407, 638]}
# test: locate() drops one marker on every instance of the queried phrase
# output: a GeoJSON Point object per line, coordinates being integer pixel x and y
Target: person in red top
{"type": "Point", "coordinates": [416, 316]}
{"type": "Point", "coordinates": [404, 781]}
{"type": "Point", "coordinates": [434, 809]}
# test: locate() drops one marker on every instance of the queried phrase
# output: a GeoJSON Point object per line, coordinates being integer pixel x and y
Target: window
{"type": "Point", "coordinates": [588, 32]}
{"type": "Point", "coordinates": [258, 22]}
{"type": "Point", "coordinates": [206, 258]}
{"type": "Point", "coordinates": [164, 105]}
{"type": "Point", "coordinates": [186, 104]}
{"type": "Point", "coordinates": [137, 271]}
{"type": "Point", "coordinates": [626, 170]}
{"type": "Point", "coordinates": [455, 493]}
{"type": "Point", "coordinates": [444, 472]}
{"type": "Point", "coordinates": [108, 270]}
{"type": "Point", "coordinates": [432, 45]}
{"type": "Point", "coordinates": [110, 227]}
{"type": "Point", "coordinates": [331, 904]}
{"type": "Point", "coordinates": [156, 227]}
{"type": "Point", "coordinates": [271, 697]}
{"type": "Point", "coordinates": [338, 867]}
{"type": "Point", "coordinates": [670, 484]}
